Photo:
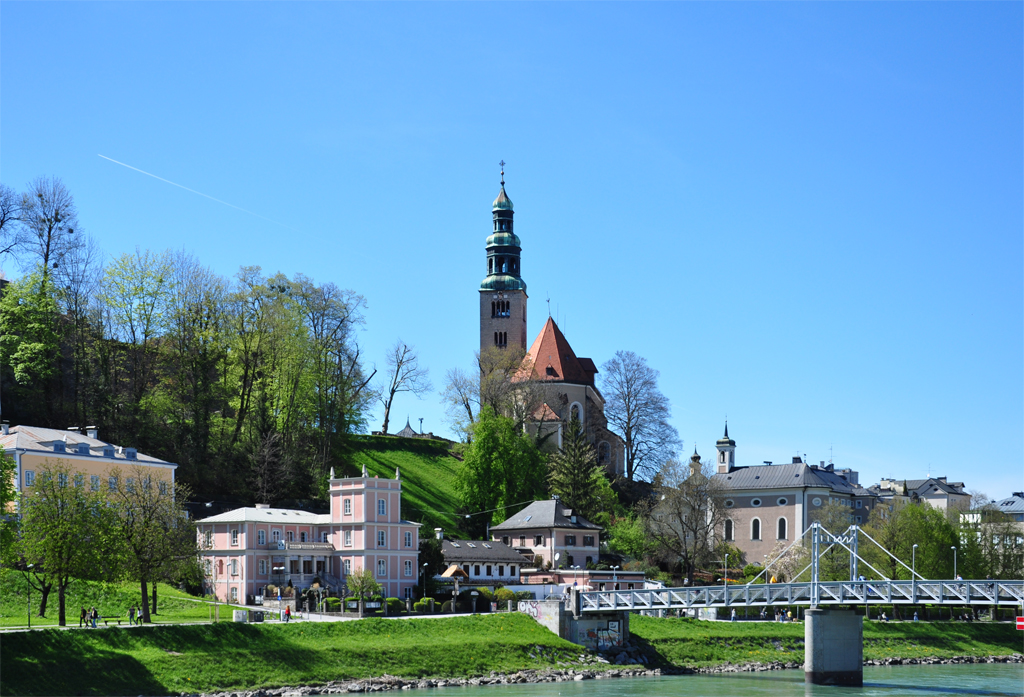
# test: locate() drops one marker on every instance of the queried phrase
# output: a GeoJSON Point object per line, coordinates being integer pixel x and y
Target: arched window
{"type": "Point", "coordinates": [755, 529]}
{"type": "Point", "coordinates": [490, 266]}
{"type": "Point", "coordinates": [728, 530]}
{"type": "Point", "coordinates": [721, 457]}
{"type": "Point", "coordinates": [782, 528]}
{"type": "Point", "coordinates": [220, 566]}
{"type": "Point", "coordinates": [495, 338]}
{"type": "Point", "coordinates": [576, 411]}
{"type": "Point", "coordinates": [492, 309]}
{"type": "Point", "coordinates": [604, 453]}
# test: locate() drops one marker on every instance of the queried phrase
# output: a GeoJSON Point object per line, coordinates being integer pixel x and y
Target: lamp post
{"type": "Point", "coordinates": [615, 578]}
{"type": "Point", "coordinates": [725, 576]}
{"type": "Point", "coordinates": [28, 605]}
{"type": "Point", "coordinates": [954, 561]}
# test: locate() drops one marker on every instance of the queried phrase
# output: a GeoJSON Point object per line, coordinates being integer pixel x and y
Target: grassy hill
{"type": "Point", "coordinates": [428, 476]}
{"type": "Point", "coordinates": [228, 656]}
{"type": "Point", "coordinates": [112, 600]}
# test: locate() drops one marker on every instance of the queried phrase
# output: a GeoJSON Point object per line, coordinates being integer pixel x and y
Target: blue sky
{"type": "Point", "coordinates": [807, 216]}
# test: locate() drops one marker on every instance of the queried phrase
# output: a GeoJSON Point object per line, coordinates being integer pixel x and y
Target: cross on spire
{"type": "Point", "coordinates": [502, 165]}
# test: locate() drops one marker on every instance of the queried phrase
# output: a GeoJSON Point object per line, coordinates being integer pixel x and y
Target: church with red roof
{"type": "Point", "coordinates": [567, 381]}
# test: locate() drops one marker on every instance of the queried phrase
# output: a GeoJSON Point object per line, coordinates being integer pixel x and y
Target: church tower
{"type": "Point", "coordinates": [503, 291]}
{"type": "Point", "coordinates": [726, 452]}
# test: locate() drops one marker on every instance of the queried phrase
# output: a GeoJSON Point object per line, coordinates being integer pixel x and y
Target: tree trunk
{"type": "Point", "coordinates": [154, 598]}
{"type": "Point", "coordinates": [44, 591]}
{"type": "Point", "coordinates": [61, 588]}
{"type": "Point", "coordinates": [144, 607]}
{"type": "Point", "coordinates": [387, 416]}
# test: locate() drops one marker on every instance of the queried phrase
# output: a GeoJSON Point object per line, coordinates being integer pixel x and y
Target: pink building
{"type": "Point", "coordinates": [248, 548]}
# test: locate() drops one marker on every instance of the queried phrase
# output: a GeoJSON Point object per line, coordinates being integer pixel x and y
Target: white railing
{"type": "Point", "coordinates": [829, 593]}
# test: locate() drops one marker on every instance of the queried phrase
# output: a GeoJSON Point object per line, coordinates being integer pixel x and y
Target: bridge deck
{"type": "Point", "coordinates": [828, 593]}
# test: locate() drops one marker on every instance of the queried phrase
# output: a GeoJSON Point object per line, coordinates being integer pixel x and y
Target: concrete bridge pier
{"type": "Point", "coordinates": [833, 647]}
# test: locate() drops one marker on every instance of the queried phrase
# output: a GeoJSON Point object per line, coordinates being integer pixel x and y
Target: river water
{"type": "Point", "coordinates": [996, 679]}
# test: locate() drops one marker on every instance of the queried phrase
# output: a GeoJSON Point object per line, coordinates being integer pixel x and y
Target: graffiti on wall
{"type": "Point", "coordinates": [599, 638]}
{"type": "Point", "coordinates": [530, 607]}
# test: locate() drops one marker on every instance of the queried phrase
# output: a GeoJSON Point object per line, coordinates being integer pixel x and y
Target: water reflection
{"type": "Point", "coordinates": [991, 680]}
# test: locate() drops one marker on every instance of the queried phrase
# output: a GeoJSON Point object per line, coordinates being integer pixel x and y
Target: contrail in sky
{"type": "Point", "coordinates": [168, 181]}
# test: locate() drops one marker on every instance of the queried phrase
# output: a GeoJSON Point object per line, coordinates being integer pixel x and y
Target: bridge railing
{"type": "Point", "coordinates": [829, 593]}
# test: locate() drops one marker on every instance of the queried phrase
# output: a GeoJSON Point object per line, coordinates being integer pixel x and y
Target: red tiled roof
{"type": "Point", "coordinates": [544, 413]}
{"type": "Point", "coordinates": [554, 359]}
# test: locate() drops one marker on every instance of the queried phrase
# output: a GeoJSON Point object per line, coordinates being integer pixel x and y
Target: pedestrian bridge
{"type": "Point", "coordinates": [812, 594]}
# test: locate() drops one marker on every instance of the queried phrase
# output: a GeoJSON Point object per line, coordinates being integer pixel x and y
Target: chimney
{"type": "Point", "coordinates": [5, 428]}
{"type": "Point", "coordinates": [262, 506]}
{"type": "Point", "coordinates": [92, 432]}
{"type": "Point", "coordinates": [797, 460]}
{"type": "Point", "coordinates": [439, 533]}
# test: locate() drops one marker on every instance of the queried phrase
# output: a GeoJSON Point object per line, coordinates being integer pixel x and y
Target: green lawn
{"type": "Point", "coordinates": [228, 656]}
{"type": "Point", "coordinates": [695, 643]}
{"type": "Point", "coordinates": [428, 475]}
{"type": "Point", "coordinates": [112, 599]}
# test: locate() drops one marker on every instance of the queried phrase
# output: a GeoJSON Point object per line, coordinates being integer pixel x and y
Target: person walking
{"type": "Point", "coordinates": [95, 615]}
{"type": "Point", "coordinates": [131, 615]}
{"type": "Point", "coordinates": [287, 613]}
{"type": "Point", "coordinates": [732, 618]}
{"type": "Point", "coordinates": [81, 618]}
{"type": "Point", "coordinates": [789, 616]}
{"type": "Point", "coordinates": [915, 615]}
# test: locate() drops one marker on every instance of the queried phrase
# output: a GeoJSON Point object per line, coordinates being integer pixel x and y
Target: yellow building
{"type": "Point", "coordinates": [90, 458]}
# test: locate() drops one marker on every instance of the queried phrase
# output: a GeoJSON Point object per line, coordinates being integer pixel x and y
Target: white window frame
{"type": "Point", "coordinates": [261, 537]}
{"type": "Point", "coordinates": [783, 520]}
{"type": "Point", "coordinates": [348, 538]}
{"type": "Point", "coordinates": [346, 507]}
{"type": "Point", "coordinates": [234, 567]}
{"type": "Point", "coordinates": [408, 539]}
{"type": "Point", "coordinates": [382, 538]}
{"type": "Point", "coordinates": [30, 478]}
{"type": "Point", "coordinates": [382, 507]}
{"type": "Point", "coordinates": [760, 529]}
{"type": "Point", "coordinates": [234, 594]}
{"type": "Point", "coordinates": [263, 567]}
{"type": "Point", "coordinates": [275, 536]}
{"type": "Point", "coordinates": [302, 537]}
{"type": "Point", "coordinates": [234, 537]}
{"type": "Point", "coordinates": [408, 567]}
{"type": "Point", "coordinates": [325, 536]}
{"type": "Point", "coordinates": [290, 536]}
{"type": "Point", "coordinates": [382, 568]}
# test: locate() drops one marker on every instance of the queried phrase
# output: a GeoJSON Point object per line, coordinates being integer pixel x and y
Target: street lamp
{"type": "Point", "coordinates": [423, 588]}
{"type": "Point", "coordinates": [954, 561]}
{"type": "Point", "coordinates": [725, 575]}
{"type": "Point", "coordinates": [576, 575]}
{"type": "Point", "coordinates": [28, 606]}
{"type": "Point", "coordinates": [615, 577]}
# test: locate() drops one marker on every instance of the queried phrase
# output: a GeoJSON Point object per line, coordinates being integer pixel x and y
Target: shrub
{"type": "Point", "coordinates": [446, 607]}
{"type": "Point", "coordinates": [421, 607]}
{"type": "Point", "coordinates": [503, 595]}
{"type": "Point", "coordinates": [485, 593]}
{"type": "Point", "coordinates": [524, 595]}
{"type": "Point", "coordinates": [751, 570]}
{"type": "Point", "coordinates": [395, 606]}
{"type": "Point", "coordinates": [332, 604]}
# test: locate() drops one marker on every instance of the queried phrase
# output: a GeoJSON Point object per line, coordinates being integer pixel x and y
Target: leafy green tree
{"type": "Point", "coordinates": [8, 499]}
{"type": "Point", "coordinates": [362, 584]}
{"type": "Point", "coordinates": [431, 555]}
{"type": "Point", "coordinates": [29, 341]}
{"type": "Point", "coordinates": [66, 530]}
{"type": "Point", "coordinates": [154, 533]}
{"type": "Point", "coordinates": [573, 472]}
{"type": "Point", "coordinates": [628, 535]}
{"type": "Point", "coordinates": [834, 564]}
{"type": "Point", "coordinates": [502, 467]}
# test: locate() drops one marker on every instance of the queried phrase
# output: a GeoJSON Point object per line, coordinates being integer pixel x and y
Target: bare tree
{"type": "Point", "coordinates": [269, 466]}
{"type": "Point", "coordinates": [461, 400]}
{"type": "Point", "coordinates": [10, 217]}
{"type": "Point", "coordinates": [49, 225]}
{"type": "Point", "coordinates": [507, 384]}
{"type": "Point", "coordinates": [638, 412]}
{"type": "Point", "coordinates": [403, 374]}
{"type": "Point", "coordinates": [683, 515]}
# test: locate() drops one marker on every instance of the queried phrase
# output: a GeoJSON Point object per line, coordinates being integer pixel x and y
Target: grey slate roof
{"type": "Point", "coordinates": [457, 551]}
{"type": "Point", "coordinates": [1013, 504]}
{"type": "Point", "coordinates": [407, 432]}
{"type": "Point", "coordinates": [39, 439]}
{"type": "Point", "coordinates": [545, 514]}
{"type": "Point", "coordinates": [798, 475]}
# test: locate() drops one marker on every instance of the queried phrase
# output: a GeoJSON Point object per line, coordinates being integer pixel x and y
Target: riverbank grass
{"type": "Point", "coordinates": [234, 657]}
{"type": "Point", "coordinates": [700, 644]}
